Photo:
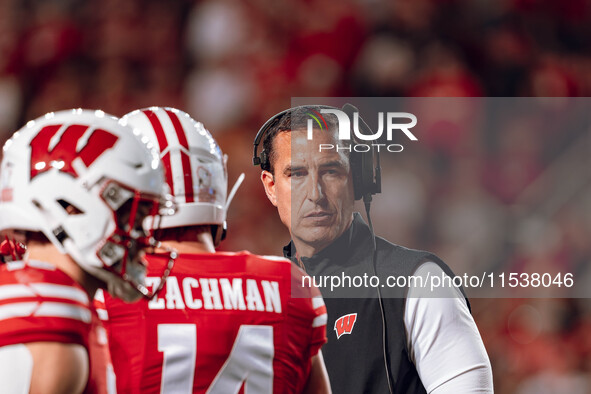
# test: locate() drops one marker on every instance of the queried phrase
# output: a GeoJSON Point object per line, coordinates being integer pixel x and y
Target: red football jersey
{"type": "Point", "coordinates": [40, 303]}
{"type": "Point", "coordinates": [223, 323]}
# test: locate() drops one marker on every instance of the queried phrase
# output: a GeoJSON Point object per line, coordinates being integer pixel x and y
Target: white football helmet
{"type": "Point", "coordinates": [194, 165]}
{"type": "Point", "coordinates": [86, 182]}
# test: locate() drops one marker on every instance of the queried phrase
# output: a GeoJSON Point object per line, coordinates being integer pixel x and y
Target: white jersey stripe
{"type": "Point", "coordinates": [15, 265]}
{"type": "Point", "coordinates": [41, 265]}
{"type": "Point", "coordinates": [320, 320]}
{"type": "Point", "coordinates": [99, 296]}
{"type": "Point", "coordinates": [103, 314]}
{"type": "Point", "coordinates": [15, 291]}
{"type": "Point", "coordinates": [45, 309]}
{"type": "Point", "coordinates": [274, 258]}
{"type": "Point", "coordinates": [57, 309]}
{"type": "Point", "coordinates": [317, 302]}
{"type": "Point", "coordinates": [61, 291]}
{"type": "Point", "coordinates": [19, 309]}
{"type": "Point", "coordinates": [43, 289]}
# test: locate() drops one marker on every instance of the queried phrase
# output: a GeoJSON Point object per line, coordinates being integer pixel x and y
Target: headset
{"type": "Point", "coordinates": [365, 166]}
{"type": "Point", "coordinates": [367, 181]}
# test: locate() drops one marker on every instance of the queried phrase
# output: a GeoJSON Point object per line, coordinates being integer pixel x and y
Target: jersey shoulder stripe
{"type": "Point", "coordinates": [274, 258]}
{"type": "Point", "coordinates": [320, 310]}
{"type": "Point", "coordinates": [40, 290]}
{"type": "Point", "coordinates": [41, 303]}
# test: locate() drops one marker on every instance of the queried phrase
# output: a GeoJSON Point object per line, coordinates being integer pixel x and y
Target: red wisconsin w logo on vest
{"type": "Point", "coordinates": [66, 150]}
{"type": "Point", "coordinates": [344, 324]}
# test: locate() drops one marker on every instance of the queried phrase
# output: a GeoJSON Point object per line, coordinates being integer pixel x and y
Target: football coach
{"type": "Point", "coordinates": [402, 342]}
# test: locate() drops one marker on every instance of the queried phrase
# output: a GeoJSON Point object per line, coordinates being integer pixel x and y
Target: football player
{"type": "Point", "coordinates": [224, 322]}
{"type": "Point", "coordinates": [75, 187]}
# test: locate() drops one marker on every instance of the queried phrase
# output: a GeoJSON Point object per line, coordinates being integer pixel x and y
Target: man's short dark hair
{"type": "Point", "coordinates": [295, 118]}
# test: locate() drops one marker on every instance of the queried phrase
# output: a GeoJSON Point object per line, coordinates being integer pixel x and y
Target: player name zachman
{"type": "Point", "coordinates": [217, 294]}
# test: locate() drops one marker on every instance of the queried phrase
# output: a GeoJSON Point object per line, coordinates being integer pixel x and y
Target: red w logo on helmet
{"type": "Point", "coordinates": [344, 324]}
{"type": "Point", "coordinates": [67, 149]}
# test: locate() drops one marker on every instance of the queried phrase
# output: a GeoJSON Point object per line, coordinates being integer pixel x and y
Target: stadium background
{"type": "Point", "coordinates": [233, 64]}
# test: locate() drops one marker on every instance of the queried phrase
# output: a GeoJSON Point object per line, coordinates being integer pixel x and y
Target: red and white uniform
{"type": "Point", "coordinates": [223, 323]}
{"type": "Point", "coordinates": [39, 303]}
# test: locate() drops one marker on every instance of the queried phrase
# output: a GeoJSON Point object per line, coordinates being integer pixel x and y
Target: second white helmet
{"type": "Point", "coordinates": [194, 164]}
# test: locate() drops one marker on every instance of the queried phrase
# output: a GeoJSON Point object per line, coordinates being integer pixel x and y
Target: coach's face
{"type": "Point", "coordinates": [312, 190]}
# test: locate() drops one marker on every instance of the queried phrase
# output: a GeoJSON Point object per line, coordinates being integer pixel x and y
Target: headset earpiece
{"type": "Point", "coordinates": [264, 160]}
{"type": "Point", "coordinates": [365, 166]}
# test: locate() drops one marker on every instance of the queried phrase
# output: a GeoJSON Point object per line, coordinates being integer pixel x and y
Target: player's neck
{"type": "Point", "coordinates": [201, 243]}
{"type": "Point", "coordinates": [48, 253]}
{"type": "Point", "coordinates": [190, 247]}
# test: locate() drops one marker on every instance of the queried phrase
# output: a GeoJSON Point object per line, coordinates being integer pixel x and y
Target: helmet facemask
{"type": "Point", "coordinates": [121, 253]}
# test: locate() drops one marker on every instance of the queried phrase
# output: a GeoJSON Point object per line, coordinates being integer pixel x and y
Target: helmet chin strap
{"type": "Point", "coordinates": [172, 256]}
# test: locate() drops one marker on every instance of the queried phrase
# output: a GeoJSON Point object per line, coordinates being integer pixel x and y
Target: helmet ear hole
{"type": "Point", "coordinates": [37, 204]}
